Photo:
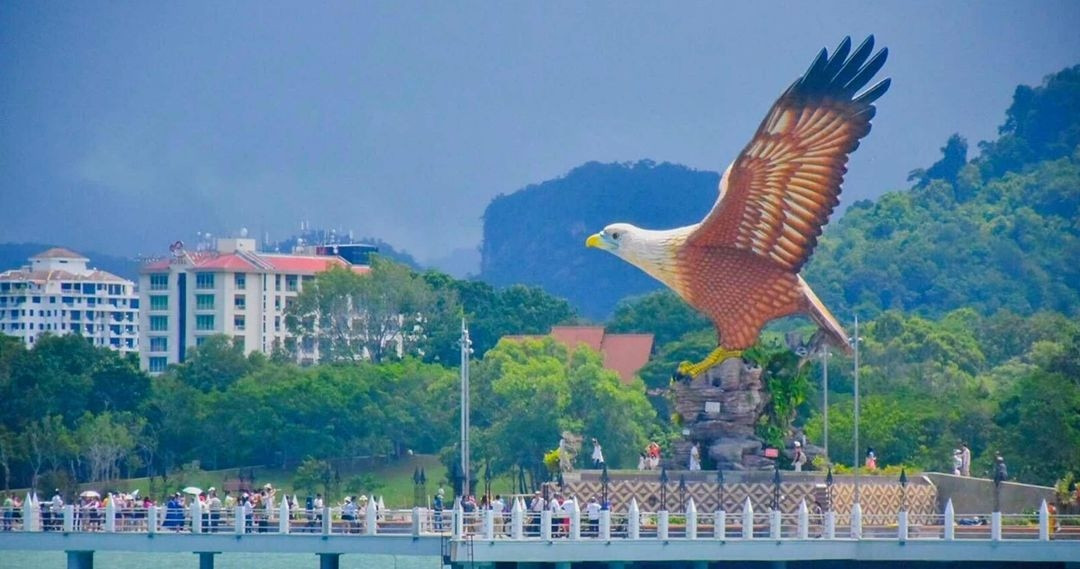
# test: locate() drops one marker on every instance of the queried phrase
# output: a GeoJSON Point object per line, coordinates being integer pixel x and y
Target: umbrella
{"type": "Point", "coordinates": [135, 494]}
{"type": "Point", "coordinates": [90, 494]}
{"type": "Point", "coordinates": [192, 490]}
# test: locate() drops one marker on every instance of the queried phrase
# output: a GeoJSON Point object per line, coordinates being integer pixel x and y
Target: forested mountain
{"type": "Point", "coordinates": [537, 235]}
{"type": "Point", "coordinates": [1000, 231]}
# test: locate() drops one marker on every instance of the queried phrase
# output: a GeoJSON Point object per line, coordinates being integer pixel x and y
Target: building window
{"type": "Point", "coordinates": [204, 322]}
{"type": "Point", "coordinates": [115, 290]}
{"type": "Point", "coordinates": [159, 281]}
{"type": "Point", "coordinates": [239, 322]}
{"type": "Point", "coordinates": [36, 300]}
{"type": "Point", "coordinates": [158, 364]}
{"type": "Point", "coordinates": [241, 342]}
{"type": "Point", "coordinates": [204, 280]}
{"type": "Point", "coordinates": [240, 281]}
{"type": "Point", "coordinates": [158, 302]}
{"type": "Point", "coordinates": [204, 302]}
{"type": "Point", "coordinates": [159, 323]}
{"type": "Point", "coordinates": [290, 283]}
{"type": "Point", "coordinates": [199, 340]}
{"type": "Point", "coordinates": [239, 302]}
{"type": "Point", "coordinates": [159, 344]}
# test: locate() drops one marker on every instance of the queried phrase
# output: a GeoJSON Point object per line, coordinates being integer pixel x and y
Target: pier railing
{"type": "Point", "coordinates": [524, 525]}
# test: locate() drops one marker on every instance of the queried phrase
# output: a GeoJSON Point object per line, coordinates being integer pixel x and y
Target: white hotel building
{"type": "Point", "coordinates": [58, 294]}
{"type": "Point", "coordinates": [234, 290]}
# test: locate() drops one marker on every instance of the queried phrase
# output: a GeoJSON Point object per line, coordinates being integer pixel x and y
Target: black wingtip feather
{"type": "Point", "coordinates": [872, 94]}
{"type": "Point", "coordinates": [842, 75]}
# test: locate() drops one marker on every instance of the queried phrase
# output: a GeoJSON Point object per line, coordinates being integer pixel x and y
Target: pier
{"type": "Point", "coordinates": [519, 538]}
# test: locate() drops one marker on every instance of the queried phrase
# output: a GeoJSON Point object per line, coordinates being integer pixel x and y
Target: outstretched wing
{"type": "Point", "coordinates": [775, 197]}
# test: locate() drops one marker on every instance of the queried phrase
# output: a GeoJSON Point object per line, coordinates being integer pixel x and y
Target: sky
{"type": "Point", "coordinates": [127, 125]}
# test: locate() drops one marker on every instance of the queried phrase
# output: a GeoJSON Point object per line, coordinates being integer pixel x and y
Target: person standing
{"type": "Point", "coordinates": [597, 455]}
{"type": "Point", "coordinates": [695, 458]}
{"type": "Point", "coordinates": [871, 459]}
{"type": "Point", "coordinates": [1000, 471]}
{"type": "Point", "coordinates": [437, 508]}
{"type": "Point", "coordinates": [799, 459]}
{"type": "Point", "coordinates": [593, 512]}
{"type": "Point", "coordinates": [965, 460]}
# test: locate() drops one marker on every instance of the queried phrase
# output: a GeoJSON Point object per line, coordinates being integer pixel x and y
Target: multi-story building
{"type": "Point", "coordinates": [233, 290]}
{"type": "Point", "coordinates": [58, 294]}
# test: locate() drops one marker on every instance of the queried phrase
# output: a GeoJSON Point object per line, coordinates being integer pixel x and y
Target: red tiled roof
{"type": "Point", "coordinates": [592, 336]}
{"type": "Point", "coordinates": [303, 263]}
{"type": "Point", "coordinates": [625, 354]}
{"type": "Point", "coordinates": [58, 253]}
{"type": "Point", "coordinates": [228, 262]}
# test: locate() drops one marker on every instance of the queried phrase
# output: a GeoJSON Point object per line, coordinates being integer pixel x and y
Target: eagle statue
{"type": "Point", "coordinates": [740, 265]}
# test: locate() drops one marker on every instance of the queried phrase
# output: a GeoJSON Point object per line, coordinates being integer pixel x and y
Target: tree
{"type": "Point", "coordinates": [104, 440]}
{"type": "Point", "coordinates": [349, 317]}
{"type": "Point", "coordinates": [660, 313]}
{"type": "Point", "coordinates": [215, 364]}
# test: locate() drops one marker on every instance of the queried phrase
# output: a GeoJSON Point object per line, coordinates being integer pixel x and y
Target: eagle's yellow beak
{"type": "Point", "coordinates": [595, 240]}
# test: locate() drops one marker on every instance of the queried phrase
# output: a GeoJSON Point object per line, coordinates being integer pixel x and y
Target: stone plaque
{"type": "Point", "coordinates": [712, 407]}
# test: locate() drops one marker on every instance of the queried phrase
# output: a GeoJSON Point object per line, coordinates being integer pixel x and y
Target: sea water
{"type": "Point", "coordinates": [130, 560]}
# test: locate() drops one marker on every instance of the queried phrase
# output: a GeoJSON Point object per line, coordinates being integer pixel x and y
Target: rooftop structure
{"type": "Point", "coordinates": [57, 293]}
{"type": "Point", "coordinates": [233, 290]}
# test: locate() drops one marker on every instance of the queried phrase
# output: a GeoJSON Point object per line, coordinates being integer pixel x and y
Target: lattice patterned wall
{"type": "Point", "coordinates": [876, 499]}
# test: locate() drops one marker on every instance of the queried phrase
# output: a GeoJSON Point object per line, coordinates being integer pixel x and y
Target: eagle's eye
{"type": "Point", "coordinates": [615, 236]}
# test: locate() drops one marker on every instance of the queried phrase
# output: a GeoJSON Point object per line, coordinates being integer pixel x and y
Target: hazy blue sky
{"type": "Point", "coordinates": [126, 125]}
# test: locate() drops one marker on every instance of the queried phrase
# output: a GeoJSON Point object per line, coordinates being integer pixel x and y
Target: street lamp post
{"type": "Point", "coordinates": [466, 350]}
{"type": "Point", "coordinates": [903, 489]}
{"type": "Point", "coordinates": [825, 404]}
{"type": "Point", "coordinates": [828, 490]}
{"type": "Point", "coordinates": [855, 463]}
{"type": "Point", "coordinates": [719, 488]}
{"type": "Point", "coordinates": [776, 486]}
{"type": "Point", "coordinates": [682, 491]}
{"type": "Point", "coordinates": [487, 481]}
{"type": "Point", "coordinates": [663, 488]}
{"type": "Point", "coordinates": [605, 480]}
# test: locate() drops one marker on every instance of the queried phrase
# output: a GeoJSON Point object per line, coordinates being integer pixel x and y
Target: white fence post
{"type": "Point", "coordinates": [517, 523]}
{"type": "Point", "coordinates": [691, 520]}
{"type": "Point", "coordinates": [830, 525]}
{"type": "Point", "coordinates": [575, 522]}
{"type": "Point", "coordinates": [748, 520]}
{"type": "Point", "coordinates": [69, 518]}
{"type": "Point", "coordinates": [950, 521]}
{"type": "Point", "coordinates": [151, 519]}
{"type": "Point", "coordinates": [31, 513]}
{"type": "Point", "coordinates": [283, 516]}
{"type": "Point", "coordinates": [458, 529]}
{"type": "Point", "coordinates": [371, 524]}
{"type": "Point", "coordinates": [545, 524]}
{"type": "Point", "coordinates": [633, 528]}
{"type": "Point", "coordinates": [196, 515]}
{"type": "Point", "coordinates": [902, 533]}
{"type": "Point", "coordinates": [110, 516]}
{"type": "Point", "coordinates": [605, 524]}
{"type": "Point", "coordinates": [1044, 522]}
{"type": "Point", "coordinates": [856, 521]}
{"type": "Point", "coordinates": [720, 524]}
{"type": "Point", "coordinates": [804, 520]}
{"type": "Point", "coordinates": [489, 524]}
{"type": "Point", "coordinates": [995, 526]}
{"type": "Point", "coordinates": [774, 524]}
{"type": "Point", "coordinates": [240, 527]}
{"type": "Point", "coordinates": [416, 514]}
{"type": "Point", "coordinates": [662, 522]}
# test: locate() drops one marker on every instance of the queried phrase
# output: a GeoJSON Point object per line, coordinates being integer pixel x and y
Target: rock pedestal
{"type": "Point", "coordinates": [720, 408]}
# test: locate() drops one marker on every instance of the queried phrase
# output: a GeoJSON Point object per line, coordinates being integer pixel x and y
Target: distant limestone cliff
{"type": "Point", "coordinates": [537, 235]}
